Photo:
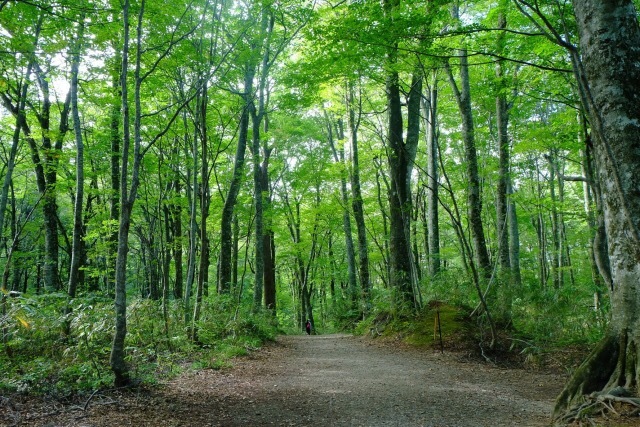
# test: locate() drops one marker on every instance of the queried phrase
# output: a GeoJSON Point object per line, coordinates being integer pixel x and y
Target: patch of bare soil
{"type": "Point", "coordinates": [331, 380]}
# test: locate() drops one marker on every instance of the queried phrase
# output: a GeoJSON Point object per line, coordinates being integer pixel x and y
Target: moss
{"type": "Point", "coordinates": [422, 329]}
{"type": "Point", "coordinates": [592, 375]}
{"type": "Point", "coordinates": [426, 330]}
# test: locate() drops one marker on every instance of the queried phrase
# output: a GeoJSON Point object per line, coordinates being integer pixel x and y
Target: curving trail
{"type": "Point", "coordinates": [332, 380]}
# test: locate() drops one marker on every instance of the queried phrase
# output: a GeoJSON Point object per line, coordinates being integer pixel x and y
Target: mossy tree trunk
{"type": "Point", "coordinates": [609, 78]}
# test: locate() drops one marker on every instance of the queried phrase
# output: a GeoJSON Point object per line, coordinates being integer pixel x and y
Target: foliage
{"type": "Point", "coordinates": [325, 65]}
{"type": "Point", "coordinates": [48, 352]}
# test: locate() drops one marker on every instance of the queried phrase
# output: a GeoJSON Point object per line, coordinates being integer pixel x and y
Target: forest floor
{"type": "Point", "coordinates": [326, 380]}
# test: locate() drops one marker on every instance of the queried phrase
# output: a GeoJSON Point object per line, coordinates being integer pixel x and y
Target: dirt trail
{"type": "Point", "coordinates": [332, 380]}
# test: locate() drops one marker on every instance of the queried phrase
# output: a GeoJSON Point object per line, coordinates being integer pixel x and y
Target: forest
{"type": "Point", "coordinates": [188, 178]}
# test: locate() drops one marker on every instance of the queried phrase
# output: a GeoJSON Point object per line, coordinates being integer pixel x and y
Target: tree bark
{"type": "Point", "coordinates": [609, 39]}
{"type": "Point", "coordinates": [433, 239]}
{"type": "Point", "coordinates": [338, 157]}
{"type": "Point", "coordinates": [117, 357]}
{"type": "Point", "coordinates": [226, 236]}
{"type": "Point", "coordinates": [474, 200]}
{"type": "Point", "coordinates": [78, 229]}
{"type": "Point", "coordinates": [399, 155]}
{"type": "Point", "coordinates": [502, 202]}
{"type": "Point", "coordinates": [357, 203]}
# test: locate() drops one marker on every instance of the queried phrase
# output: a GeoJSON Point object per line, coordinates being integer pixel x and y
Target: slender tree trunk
{"type": "Point", "coordinates": [474, 200]}
{"type": "Point", "coordinates": [338, 157]}
{"type": "Point", "coordinates": [357, 203]}
{"type": "Point", "coordinates": [556, 274]}
{"type": "Point", "coordinates": [192, 192]}
{"type": "Point", "coordinates": [205, 201]}
{"type": "Point", "coordinates": [385, 249]}
{"type": "Point", "coordinates": [78, 229]}
{"type": "Point", "coordinates": [433, 229]}
{"type": "Point", "coordinates": [258, 284]}
{"type": "Point", "coordinates": [19, 114]}
{"type": "Point", "coordinates": [115, 138]}
{"type": "Point", "coordinates": [502, 201]}
{"type": "Point", "coordinates": [514, 239]}
{"type": "Point", "coordinates": [177, 238]}
{"type": "Point", "coordinates": [268, 240]}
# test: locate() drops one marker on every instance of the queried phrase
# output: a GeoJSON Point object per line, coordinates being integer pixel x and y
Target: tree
{"type": "Point", "coordinates": [609, 80]}
{"type": "Point", "coordinates": [462, 92]}
{"type": "Point", "coordinates": [130, 179]}
{"type": "Point", "coordinates": [400, 155]}
{"type": "Point", "coordinates": [354, 105]}
{"type": "Point", "coordinates": [78, 229]}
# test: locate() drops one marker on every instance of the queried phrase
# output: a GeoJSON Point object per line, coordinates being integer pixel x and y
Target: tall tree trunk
{"type": "Point", "coordinates": [258, 284]}
{"type": "Point", "coordinates": [115, 138]}
{"type": "Point", "coordinates": [502, 201]}
{"type": "Point", "coordinates": [609, 40]}
{"type": "Point", "coordinates": [474, 200]}
{"type": "Point", "coordinates": [556, 273]}
{"type": "Point", "coordinates": [117, 358]}
{"type": "Point", "coordinates": [399, 155]}
{"type": "Point", "coordinates": [205, 201]}
{"type": "Point", "coordinates": [357, 202]}
{"type": "Point", "coordinates": [433, 229]}
{"type": "Point", "coordinates": [385, 250]}
{"type": "Point", "coordinates": [226, 236]}
{"type": "Point", "coordinates": [257, 118]}
{"type": "Point", "coordinates": [78, 229]}
{"type": "Point", "coordinates": [514, 239]}
{"type": "Point", "coordinates": [192, 197]}
{"type": "Point", "coordinates": [338, 157]}
{"type": "Point", "coordinates": [268, 239]}
{"type": "Point", "coordinates": [176, 213]}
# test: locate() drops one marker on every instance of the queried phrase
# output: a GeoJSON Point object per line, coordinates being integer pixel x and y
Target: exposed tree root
{"type": "Point", "coordinates": [604, 385]}
{"type": "Point", "coordinates": [602, 405]}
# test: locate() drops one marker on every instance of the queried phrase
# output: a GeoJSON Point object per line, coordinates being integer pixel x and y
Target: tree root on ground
{"type": "Point", "coordinates": [601, 405]}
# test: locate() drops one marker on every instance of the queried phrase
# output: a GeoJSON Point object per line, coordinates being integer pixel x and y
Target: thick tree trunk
{"type": "Point", "coordinates": [398, 156]}
{"type": "Point", "coordinates": [117, 357]}
{"type": "Point", "coordinates": [226, 236]}
{"type": "Point", "coordinates": [609, 40]}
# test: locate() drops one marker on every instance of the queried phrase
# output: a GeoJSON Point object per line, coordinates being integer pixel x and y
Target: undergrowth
{"type": "Point", "coordinates": [543, 342]}
{"type": "Point", "coordinates": [47, 349]}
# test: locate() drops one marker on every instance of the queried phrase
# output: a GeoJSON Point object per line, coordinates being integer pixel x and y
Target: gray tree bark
{"type": "Point", "coordinates": [609, 81]}
{"type": "Point", "coordinates": [78, 229]}
{"type": "Point", "coordinates": [474, 200]}
{"type": "Point", "coordinates": [338, 157]}
{"type": "Point", "coordinates": [433, 227]}
{"type": "Point", "coordinates": [357, 204]}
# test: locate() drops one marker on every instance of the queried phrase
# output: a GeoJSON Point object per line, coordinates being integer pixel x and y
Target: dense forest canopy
{"type": "Point", "coordinates": [322, 160]}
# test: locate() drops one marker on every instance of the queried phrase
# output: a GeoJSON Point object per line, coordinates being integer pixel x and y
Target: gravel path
{"type": "Point", "coordinates": [332, 380]}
